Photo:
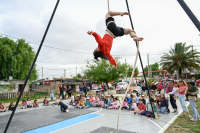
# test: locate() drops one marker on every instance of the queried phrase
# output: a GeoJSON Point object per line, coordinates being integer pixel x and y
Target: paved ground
{"type": "Point", "coordinates": [28, 119]}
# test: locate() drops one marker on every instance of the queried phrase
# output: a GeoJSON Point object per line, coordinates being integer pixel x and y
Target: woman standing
{"type": "Point", "coordinates": [69, 91]}
{"type": "Point", "coordinates": [181, 96]}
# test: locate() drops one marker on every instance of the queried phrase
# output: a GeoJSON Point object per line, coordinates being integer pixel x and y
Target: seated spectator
{"type": "Point", "coordinates": [81, 104]}
{"type": "Point", "coordinates": [63, 107]}
{"type": "Point", "coordinates": [11, 106]}
{"type": "Point", "coordinates": [111, 104]}
{"type": "Point", "coordinates": [102, 97]}
{"type": "Point", "coordinates": [118, 99]}
{"type": "Point", "coordinates": [158, 100]}
{"type": "Point", "coordinates": [23, 104]}
{"type": "Point", "coordinates": [46, 102]}
{"type": "Point", "coordinates": [159, 88]}
{"type": "Point", "coordinates": [141, 107]}
{"type": "Point", "coordinates": [101, 103]}
{"type": "Point", "coordinates": [35, 104]}
{"type": "Point", "coordinates": [121, 92]}
{"type": "Point", "coordinates": [125, 105]}
{"type": "Point", "coordinates": [163, 105]}
{"type": "Point", "coordinates": [106, 102]}
{"type": "Point", "coordinates": [29, 105]}
{"type": "Point", "coordinates": [96, 101]}
{"type": "Point", "coordinates": [116, 104]}
{"type": "Point", "coordinates": [149, 110]}
{"type": "Point", "coordinates": [2, 107]}
{"type": "Point", "coordinates": [92, 101]}
{"type": "Point", "coordinates": [99, 95]}
{"type": "Point", "coordinates": [143, 100]}
{"type": "Point", "coordinates": [137, 99]}
{"type": "Point", "coordinates": [56, 101]}
{"type": "Point", "coordinates": [133, 105]}
{"type": "Point", "coordinates": [87, 103]}
{"type": "Point", "coordinates": [76, 102]}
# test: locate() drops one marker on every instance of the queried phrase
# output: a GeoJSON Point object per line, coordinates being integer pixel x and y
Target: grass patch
{"type": "Point", "coordinates": [183, 124]}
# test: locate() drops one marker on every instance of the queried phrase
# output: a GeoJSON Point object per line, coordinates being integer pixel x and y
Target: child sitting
{"type": "Point", "coordinates": [137, 99]}
{"type": "Point", "coordinates": [29, 105]}
{"type": "Point", "coordinates": [45, 102]}
{"type": "Point", "coordinates": [11, 106]}
{"type": "Point", "coordinates": [106, 102]}
{"type": "Point", "coordinates": [87, 103]}
{"type": "Point", "coordinates": [92, 101]}
{"type": "Point", "coordinates": [35, 104]}
{"type": "Point", "coordinates": [2, 107]}
{"type": "Point", "coordinates": [116, 104]}
{"type": "Point", "coordinates": [96, 101]}
{"type": "Point", "coordinates": [141, 107]}
{"type": "Point", "coordinates": [149, 111]}
{"type": "Point", "coordinates": [81, 104]}
{"type": "Point", "coordinates": [133, 105]}
{"type": "Point", "coordinates": [23, 104]}
{"type": "Point", "coordinates": [158, 100]}
{"type": "Point", "coordinates": [143, 100]}
{"type": "Point", "coordinates": [76, 101]}
{"type": "Point", "coordinates": [111, 104]}
{"type": "Point", "coordinates": [63, 107]}
{"type": "Point", "coordinates": [52, 95]}
{"type": "Point", "coordinates": [125, 104]}
{"type": "Point", "coordinates": [101, 103]}
{"type": "Point", "coordinates": [163, 105]}
{"type": "Point", "coordinates": [56, 101]}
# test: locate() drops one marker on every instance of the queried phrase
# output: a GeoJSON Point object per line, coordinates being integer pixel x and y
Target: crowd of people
{"type": "Point", "coordinates": [138, 104]}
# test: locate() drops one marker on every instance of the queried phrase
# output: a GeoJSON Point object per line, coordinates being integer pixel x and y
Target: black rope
{"type": "Point", "coordinates": [139, 57]}
{"type": "Point", "coordinates": [44, 36]}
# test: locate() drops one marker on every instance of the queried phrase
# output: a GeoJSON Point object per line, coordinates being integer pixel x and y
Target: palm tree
{"type": "Point", "coordinates": [180, 58]}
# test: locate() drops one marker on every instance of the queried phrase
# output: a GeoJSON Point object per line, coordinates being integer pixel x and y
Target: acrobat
{"type": "Point", "coordinates": [112, 31]}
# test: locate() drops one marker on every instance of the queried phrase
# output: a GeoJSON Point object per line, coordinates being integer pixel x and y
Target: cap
{"type": "Point", "coordinates": [138, 94]}
{"type": "Point", "coordinates": [140, 99]}
{"type": "Point", "coordinates": [87, 98]}
{"type": "Point", "coordinates": [51, 91]}
{"type": "Point", "coordinates": [142, 95]}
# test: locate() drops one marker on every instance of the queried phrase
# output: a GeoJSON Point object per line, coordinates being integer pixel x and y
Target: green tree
{"type": "Point", "coordinates": [79, 75]}
{"type": "Point", "coordinates": [103, 71]}
{"type": "Point", "coordinates": [130, 70]}
{"type": "Point", "coordinates": [76, 78]}
{"type": "Point", "coordinates": [16, 59]}
{"type": "Point", "coordinates": [154, 67]}
{"type": "Point", "coordinates": [180, 58]}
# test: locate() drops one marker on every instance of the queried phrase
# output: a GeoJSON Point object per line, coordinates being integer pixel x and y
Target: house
{"type": "Point", "coordinates": [14, 85]}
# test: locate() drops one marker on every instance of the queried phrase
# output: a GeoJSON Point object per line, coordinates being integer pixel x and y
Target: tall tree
{"type": "Point", "coordinates": [16, 59]}
{"type": "Point", "coordinates": [154, 67]}
{"type": "Point", "coordinates": [181, 58]}
{"type": "Point", "coordinates": [79, 75]}
{"type": "Point", "coordinates": [103, 71]}
{"type": "Point", "coordinates": [130, 70]}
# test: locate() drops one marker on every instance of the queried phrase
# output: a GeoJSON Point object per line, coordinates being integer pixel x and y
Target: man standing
{"type": "Point", "coordinates": [61, 91]}
{"type": "Point", "coordinates": [85, 88]}
{"type": "Point", "coordinates": [81, 88]}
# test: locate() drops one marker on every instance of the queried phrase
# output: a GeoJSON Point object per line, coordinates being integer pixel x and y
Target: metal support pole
{"type": "Point", "coordinates": [44, 36]}
{"type": "Point", "coordinates": [139, 56]}
{"type": "Point", "coordinates": [190, 14]}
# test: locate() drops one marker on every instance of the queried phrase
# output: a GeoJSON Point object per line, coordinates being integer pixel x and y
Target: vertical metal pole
{"type": "Point", "coordinates": [148, 63]}
{"type": "Point", "coordinates": [44, 36]}
{"type": "Point", "coordinates": [190, 14]}
{"type": "Point", "coordinates": [42, 72]}
{"type": "Point", "coordinates": [139, 55]}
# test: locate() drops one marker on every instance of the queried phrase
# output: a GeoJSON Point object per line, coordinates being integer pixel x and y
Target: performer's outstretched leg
{"type": "Point", "coordinates": [132, 34]}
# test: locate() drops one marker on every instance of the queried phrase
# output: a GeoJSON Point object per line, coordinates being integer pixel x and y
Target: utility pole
{"type": "Point", "coordinates": [148, 63]}
{"type": "Point", "coordinates": [126, 71]}
{"type": "Point", "coordinates": [151, 72]}
{"type": "Point", "coordinates": [76, 71]}
{"type": "Point", "coordinates": [64, 73]}
{"type": "Point", "coordinates": [42, 72]}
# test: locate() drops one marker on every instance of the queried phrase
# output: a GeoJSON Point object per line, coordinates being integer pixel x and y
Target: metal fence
{"type": "Point", "coordinates": [13, 95]}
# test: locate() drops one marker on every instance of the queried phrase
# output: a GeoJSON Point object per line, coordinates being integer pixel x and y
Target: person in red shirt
{"type": "Point", "coordinates": [159, 87]}
{"type": "Point", "coordinates": [141, 107]}
{"type": "Point", "coordinates": [112, 31]}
